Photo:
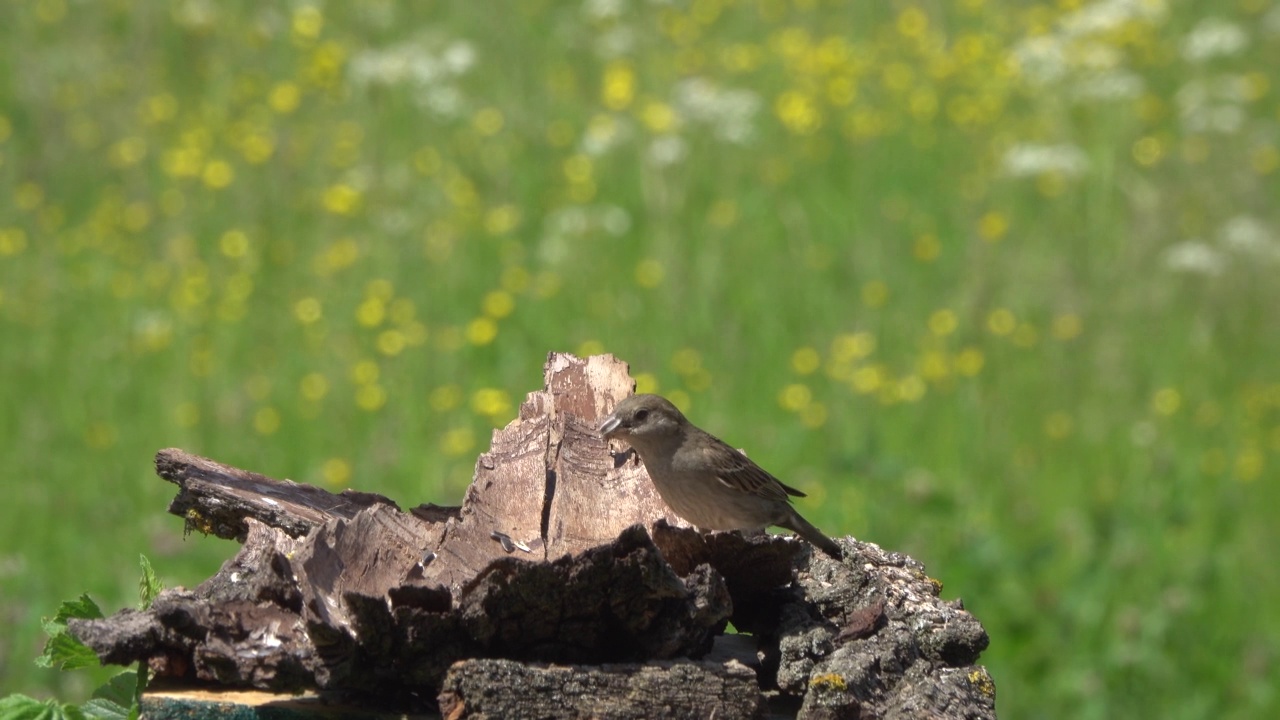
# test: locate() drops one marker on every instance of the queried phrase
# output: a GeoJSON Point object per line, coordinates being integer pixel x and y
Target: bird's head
{"type": "Point", "coordinates": [643, 420]}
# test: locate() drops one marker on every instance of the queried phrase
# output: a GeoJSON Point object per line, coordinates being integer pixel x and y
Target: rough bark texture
{"type": "Point", "coordinates": [561, 552]}
{"type": "Point", "coordinates": [484, 689]}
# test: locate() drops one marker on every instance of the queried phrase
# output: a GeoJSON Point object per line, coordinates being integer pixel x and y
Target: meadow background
{"type": "Point", "coordinates": [993, 281]}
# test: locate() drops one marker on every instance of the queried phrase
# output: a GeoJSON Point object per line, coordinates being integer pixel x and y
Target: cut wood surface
{"type": "Point", "coordinates": [561, 563]}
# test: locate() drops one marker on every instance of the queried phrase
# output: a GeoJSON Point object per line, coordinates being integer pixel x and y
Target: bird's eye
{"type": "Point", "coordinates": [641, 415]}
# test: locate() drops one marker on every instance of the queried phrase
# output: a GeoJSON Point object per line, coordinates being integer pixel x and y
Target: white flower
{"type": "Point", "coordinates": [603, 9]}
{"type": "Point", "coordinates": [459, 57]}
{"type": "Point", "coordinates": [1248, 235]}
{"type": "Point", "coordinates": [1109, 15]}
{"type": "Point", "coordinates": [1194, 256]}
{"type": "Point", "coordinates": [667, 150]}
{"type": "Point", "coordinates": [1041, 60]}
{"type": "Point", "coordinates": [729, 113]}
{"type": "Point", "coordinates": [1112, 85]}
{"type": "Point", "coordinates": [1213, 106]}
{"type": "Point", "coordinates": [1213, 37]}
{"type": "Point", "coordinates": [429, 66]}
{"type": "Point", "coordinates": [1030, 159]}
{"type": "Point", "coordinates": [615, 220]}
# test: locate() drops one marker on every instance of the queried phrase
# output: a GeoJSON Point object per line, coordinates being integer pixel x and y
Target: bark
{"type": "Point", "coordinates": [484, 689]}
{"type": "Point", "coordinates": [561, 552]}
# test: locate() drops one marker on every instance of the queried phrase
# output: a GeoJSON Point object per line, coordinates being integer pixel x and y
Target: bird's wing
{"type": "Point", "coordinates": [738, 472]}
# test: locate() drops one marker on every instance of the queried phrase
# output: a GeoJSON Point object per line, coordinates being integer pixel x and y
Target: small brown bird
{"type": "Point", "coordinates": [704, 480]}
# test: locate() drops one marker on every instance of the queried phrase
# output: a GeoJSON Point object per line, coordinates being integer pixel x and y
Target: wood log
{"type": "Point", "coordinates": [483, 689]}
{"type": "Point", "coordinates": [562, 552]}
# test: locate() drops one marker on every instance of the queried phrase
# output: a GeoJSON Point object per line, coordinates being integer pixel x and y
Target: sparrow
{"type": "Point", "coordinates": [703, 479]}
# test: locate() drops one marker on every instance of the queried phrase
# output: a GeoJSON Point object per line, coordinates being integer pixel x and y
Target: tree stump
{"type": "Point", "coordinates": [561, 587]}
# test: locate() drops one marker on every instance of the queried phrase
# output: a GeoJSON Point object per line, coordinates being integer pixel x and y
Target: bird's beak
{"type": "Point", "coordinates": [610, 425]}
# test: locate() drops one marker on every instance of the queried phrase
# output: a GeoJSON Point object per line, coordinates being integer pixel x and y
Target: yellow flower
{"type": "Point", "coordinates": [1001, 322]}
{"type": "Point", "coordinates": [502, 219]}
{"type": "Point", "coordinates": [336, 472]}
{"type": "Point", "coordinates": [488, 121]}
{"type": "Point", "coordinates": [13, 240]}
{"type": "Point", "coordinates": [481, 331]}
{"type": "Point", "coordinates": [993, 226]}
{"type": "Point", "coordinates": [911, 388]}
{"type": "Point", "coordinates": [646, 383]}
{"type": "Point", "coordinates": [314, 386]}
{"type": "Point", "coordinates": [498, 304]}
{"type": "Point", "coordinates": [795, 397]}
{"type": "Point", "coordinates": [649, 273]}
{"type": "Point", "coordinates": [912, 22]}
{"type": "Point", "coordinates": [390, 342]}
{"type": "Point", "coordinates": [813, 415]}
{"type": "Point", "coordinates": [798, 112]}
{"type": "Point", "coordinates": [284, 97]}
{"type": "Point", "coordinates": [491, 402]}
{"type": "Point", "coordinates": [1166, 401]}
{"type": "Point", "coordinates": [129, 151]}
{"type": "Point", "coordinates": [969, 361]}
{"type": "Point", "coordinates": [365, 372]}
{"type": "Point", "coordinates": [1148, 151]}
{"type": "Point", "coordinates": [515, 279]}
{"type": "Point", "coordinates": [868, 380]}
{"type": "Point", "coordinates": [723, 214]}
{"type": "Point", "coordinates": [934, 366]}
{"type": "Point", "coordinates": [686, 361]}
{"type": "Point", "coordinates": [942, 322]}
{"type": "Point", "coordinates": [659, 117]}
{"type": "Point", "coordinates": [307, 22]}
{"type": "Point", "coordinates": [217, 174]}
{"type": "Point", "coordinates": [341, 199]}
{"type": "Point", "coordinates": [371, 312]}
{"type": "Point", "coordinates": [457, 441]}
{"type": "Point", "coordinates": [1250, 464]}
{"type": "Point", "coordinates": [1067, 327]}
{"type": "Point", "coordinates": [926, 247]}
{"type": "Point", "coordinates": [875, 294]}
{"type": "Point", "coordinates": [805, 360]}
{"type": "Point", "coordinates": [589, 348]}
{"type": "Point", "coordinates": [266, 421]}
{"type": "Point", "coordinates": [371, 397]}
{"type": "Point", "coordinates": [852, 346]}
{"type": "Point", "coordinates": [578, 168]}
{"type": "Point", "coordinates": [234, 244]}
{"type": "Point", "coordinates": [619, 85]}
{"type": "Point", "coordinates": [307, 310]}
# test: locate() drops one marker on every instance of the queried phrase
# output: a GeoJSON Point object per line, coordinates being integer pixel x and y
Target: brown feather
{"type": "Point", "coordinates": [738, 471]}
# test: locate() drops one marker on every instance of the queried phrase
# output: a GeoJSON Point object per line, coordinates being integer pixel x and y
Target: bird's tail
{"type": "Point", "coordinates": [815, 536]}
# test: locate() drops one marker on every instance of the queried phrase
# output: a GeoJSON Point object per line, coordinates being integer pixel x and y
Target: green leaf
{"type": "Point", "coordinates": [149, 586]}
{"type": "Point", "coordinates": [140, 684]}
{"type": "Point", "coordinates": [63, 650]}
{"type": "Point", "coordinates": [83, 608]}
{"type": "Point", "coordinates": [116, 700]}
{"type": "Point", "coordinates": [21, 707]}
{"type": "Point", "coordinates": [105, 710]}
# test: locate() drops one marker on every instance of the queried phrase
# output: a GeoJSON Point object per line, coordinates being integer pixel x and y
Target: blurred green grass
{"type": "Point", "coordinates": [991, 281]}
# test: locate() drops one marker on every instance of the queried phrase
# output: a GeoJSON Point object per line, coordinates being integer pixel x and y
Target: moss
{"type": "Point", "coordinates": [828, 681]}
{"type": "Point", "coordinates": [979, 678]}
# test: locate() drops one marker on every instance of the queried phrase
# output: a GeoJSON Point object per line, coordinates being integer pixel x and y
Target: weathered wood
{"type": "Point", "coordinates": [562, 552]}
{"type": "Point", "coordinates": [215, 498]}
{"type": "Point", "coordinates": [223, 704]}
{"type": "Point", "coordinates": [612, 603]}
{"type": "Point", "coordinates": [870, 637]}
{"type": "Point", "coordinates": [482, 689]}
